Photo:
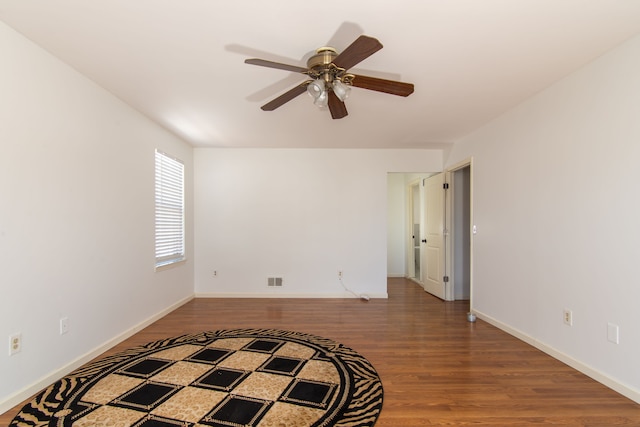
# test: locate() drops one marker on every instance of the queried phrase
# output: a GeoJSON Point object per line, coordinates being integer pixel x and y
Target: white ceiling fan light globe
{"type": "Point", "coordinates": [316, 88]}
{"type": "Point", "coordinates": [341, 90]}
{"type": "Point", "coordinates": [322, 100]}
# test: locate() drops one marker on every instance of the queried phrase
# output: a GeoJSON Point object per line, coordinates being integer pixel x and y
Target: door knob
{"type": "Point", "coordinates": [424, 240]}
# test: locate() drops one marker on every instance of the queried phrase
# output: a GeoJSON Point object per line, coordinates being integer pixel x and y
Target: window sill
{"type": "Point", "coordinates": [171, 264]}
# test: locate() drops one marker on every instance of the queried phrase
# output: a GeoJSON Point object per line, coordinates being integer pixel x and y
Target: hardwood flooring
{"type": "Point", "coordinates": [436, 368]}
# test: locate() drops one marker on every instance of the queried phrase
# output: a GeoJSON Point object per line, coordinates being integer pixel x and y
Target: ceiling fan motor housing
{"type": "Point", "coordinates": [321, 60]}
{"type": "Point", "coordinates": [321, 66]}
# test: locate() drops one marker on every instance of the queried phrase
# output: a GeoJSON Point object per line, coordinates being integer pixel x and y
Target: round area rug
{"type": "Point", "coordinates": [240, 377]}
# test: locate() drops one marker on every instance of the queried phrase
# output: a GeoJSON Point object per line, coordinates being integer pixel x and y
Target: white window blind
{"type": "Point", "coordinates": [169, 209]}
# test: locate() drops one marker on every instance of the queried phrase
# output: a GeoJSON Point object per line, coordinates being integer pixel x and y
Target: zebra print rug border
{"type": "Point", "coordinates": [223, 378]}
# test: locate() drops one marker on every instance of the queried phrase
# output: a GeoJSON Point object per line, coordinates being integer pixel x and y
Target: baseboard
{"type": "Point", "coordinates": [27, 392]}
{"type": "Point", "coordinates": [341, 295]}
{"type": "Point", "coordinates": [601, 377]}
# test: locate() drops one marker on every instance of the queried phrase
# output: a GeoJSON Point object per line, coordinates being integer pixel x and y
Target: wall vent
{"type": "Point", "coordinates": [274, 281]}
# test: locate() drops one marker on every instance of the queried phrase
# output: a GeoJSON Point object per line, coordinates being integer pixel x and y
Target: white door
{"type": "Point", "coordinates": [433, 266]}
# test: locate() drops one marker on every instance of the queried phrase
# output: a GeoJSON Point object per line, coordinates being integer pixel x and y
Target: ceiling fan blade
{"type": "Point", "coordinates": [337, 107]}
{"type": "Point", "coordinates": [382, 85]}
{"type": "Point", "coordinates": [362, 48]}
{"type": "Point", "coordinates": [278, 65]}
{"type": "Point", "coordinates": [285, 97]}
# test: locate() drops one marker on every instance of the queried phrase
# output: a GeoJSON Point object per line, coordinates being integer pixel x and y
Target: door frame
{"type": "Point", "coordinates": [450, 230]}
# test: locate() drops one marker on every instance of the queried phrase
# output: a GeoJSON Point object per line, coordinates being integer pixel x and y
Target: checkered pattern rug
{"type": "Point", "coordinates": [225, 378]}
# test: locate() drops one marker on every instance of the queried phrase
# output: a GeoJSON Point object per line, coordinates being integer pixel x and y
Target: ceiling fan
{"type": "Point", "coordinates": [329, 82]}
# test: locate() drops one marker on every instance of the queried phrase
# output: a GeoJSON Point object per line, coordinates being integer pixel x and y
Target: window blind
{"type": "Point", "coordinates": [169, 216]}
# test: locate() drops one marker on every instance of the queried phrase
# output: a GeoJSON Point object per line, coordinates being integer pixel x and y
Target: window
{"type": "Point", "coordinates": [169, 210]}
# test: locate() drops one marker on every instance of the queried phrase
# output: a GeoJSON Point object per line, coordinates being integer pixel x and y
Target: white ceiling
{"type": "Point", "coordinates": [181, 62]}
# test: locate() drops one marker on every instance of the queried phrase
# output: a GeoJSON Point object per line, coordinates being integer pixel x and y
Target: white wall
{"type": "Point", "coordinates": [76, 217]}
{"type": "Point", "coordinates": [298, 214]}
{"type": "Point", "coordinates": [557, 209]}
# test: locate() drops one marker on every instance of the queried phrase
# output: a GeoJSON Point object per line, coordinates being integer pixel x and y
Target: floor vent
{"type": "Point", "coordinates": [274, 281]}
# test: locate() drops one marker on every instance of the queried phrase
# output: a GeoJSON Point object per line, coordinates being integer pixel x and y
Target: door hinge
{"type": "Point", "coordinates": [445, 186]}
{"type": "Point", "coordinates": [445, 279]}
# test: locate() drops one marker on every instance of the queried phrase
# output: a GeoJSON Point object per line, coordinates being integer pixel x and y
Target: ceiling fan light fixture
{"type": "Point", "coordinates": [341, 90]}
{"type": "Point", "coordinates": [322, 100]}
{"type": "Point", "coordinates": [316, 88]}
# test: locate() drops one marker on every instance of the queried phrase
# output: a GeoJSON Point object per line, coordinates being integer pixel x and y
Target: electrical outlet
{"type": "Point", "coordinates": [340, 274]}
{"type": "Point", "coordinates": [567, 317]}
{"type": "Point", "coordinates": [215, 273]}
{"type": "Point", "coordinates": [15, 344]}
{"type": "Point", "coordinates": [64, 325]}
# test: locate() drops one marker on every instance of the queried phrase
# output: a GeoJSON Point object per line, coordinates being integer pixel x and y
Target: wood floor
{"type": "Point", "coordinates": [436, 368]}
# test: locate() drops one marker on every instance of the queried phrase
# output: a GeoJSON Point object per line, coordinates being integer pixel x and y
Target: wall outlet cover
{"type": "Point", "coordinates": [15, 344]}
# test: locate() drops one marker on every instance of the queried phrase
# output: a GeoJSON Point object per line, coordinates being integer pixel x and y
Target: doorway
{"type": "Point", "coordinates": [406, 229]}
{"type": "Point", "coordinates": [405, 215]}
{"type": "Point", "coordinates": [461, 232]}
